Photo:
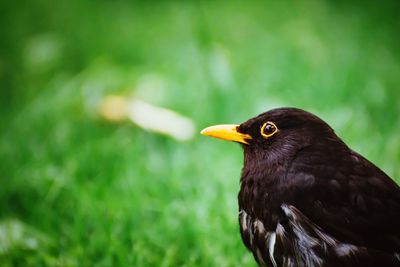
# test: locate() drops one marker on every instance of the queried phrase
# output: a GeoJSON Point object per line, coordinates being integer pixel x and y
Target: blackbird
{"type": "Point", "coordinates": [307, 199]}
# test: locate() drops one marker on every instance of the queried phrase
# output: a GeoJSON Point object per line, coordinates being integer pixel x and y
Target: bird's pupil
{"type": "Point", "coordinates": [269, 128]}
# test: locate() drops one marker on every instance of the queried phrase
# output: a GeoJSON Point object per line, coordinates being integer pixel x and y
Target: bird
{"type": "Point", "coordinates": [307, 199]}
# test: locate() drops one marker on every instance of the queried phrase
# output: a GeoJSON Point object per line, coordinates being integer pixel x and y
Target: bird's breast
{"type": "Point", "coordinates": [261, 196]}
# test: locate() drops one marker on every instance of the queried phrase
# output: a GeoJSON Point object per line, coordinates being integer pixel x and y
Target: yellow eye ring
{"type": "Point", "coordinates": [268, 129]}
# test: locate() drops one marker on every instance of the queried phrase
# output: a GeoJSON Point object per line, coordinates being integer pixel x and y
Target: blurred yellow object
{"type": "Point", "coordinates": [147, 116]}
{"type": "Point", "coordinates": [114, 108]}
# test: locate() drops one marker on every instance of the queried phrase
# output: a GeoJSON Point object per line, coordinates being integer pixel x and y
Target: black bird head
{"type": "Point", "coordinates": [277, 134]}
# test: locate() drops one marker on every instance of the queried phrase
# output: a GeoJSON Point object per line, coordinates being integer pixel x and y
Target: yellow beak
{"type": "Point", "coordinates": [226, 132]}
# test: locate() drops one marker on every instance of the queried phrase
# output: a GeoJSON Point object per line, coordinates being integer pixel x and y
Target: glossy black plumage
{"type": "Point", "coordinates": [307, 199]}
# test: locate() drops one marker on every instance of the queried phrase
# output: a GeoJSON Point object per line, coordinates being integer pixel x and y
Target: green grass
{"type": "Point", "coordinates": [78, 191]}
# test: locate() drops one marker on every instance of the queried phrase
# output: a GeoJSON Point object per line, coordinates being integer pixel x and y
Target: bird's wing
{"type": "Point", "coordinates": [297, 241]}
{"type": "Point", "coordinates": [301, 242]}
{"type": "Point", "coordinates": [354, 202]}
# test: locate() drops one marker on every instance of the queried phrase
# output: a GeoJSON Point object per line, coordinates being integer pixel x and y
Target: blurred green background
{"type": "Point", "coordinates": [79, 191]}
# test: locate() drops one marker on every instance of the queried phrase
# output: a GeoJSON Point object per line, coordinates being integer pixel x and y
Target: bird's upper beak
{"type": "Point", "coordinates": [226, 132]}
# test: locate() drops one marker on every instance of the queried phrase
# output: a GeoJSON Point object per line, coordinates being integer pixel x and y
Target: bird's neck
{"type": "Point", "coordinates": [261, 166]}
{"type": "Point", "coordinates": [261, 181]}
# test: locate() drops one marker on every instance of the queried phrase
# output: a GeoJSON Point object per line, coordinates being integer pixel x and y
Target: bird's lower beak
{"type": "Point", "coordinates": [226, 132]}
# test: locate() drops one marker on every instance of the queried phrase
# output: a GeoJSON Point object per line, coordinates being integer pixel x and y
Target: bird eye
{"type": "Point", "coordinates": [268, 129]}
